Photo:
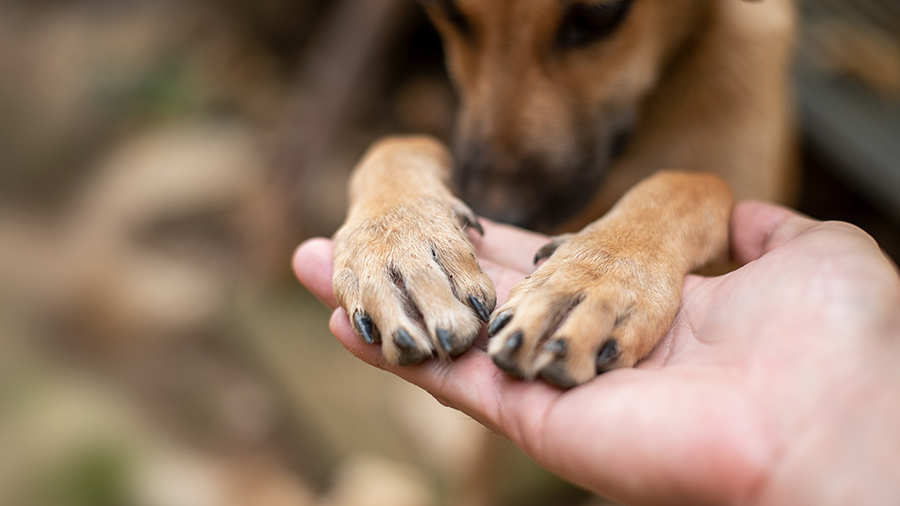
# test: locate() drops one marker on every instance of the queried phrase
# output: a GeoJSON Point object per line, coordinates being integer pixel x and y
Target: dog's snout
{"type": "Point", "coordinates": [500, 199]}
{"type": "Point", "coordinates": [525, 192]}
{"type": "Point", "coordinates": [538, 187]}
{"type": "Point", "coordinates": [493, 188]}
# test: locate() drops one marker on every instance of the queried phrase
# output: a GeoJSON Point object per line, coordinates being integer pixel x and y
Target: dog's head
{"type": "Point", "coordinates": [550, 93]}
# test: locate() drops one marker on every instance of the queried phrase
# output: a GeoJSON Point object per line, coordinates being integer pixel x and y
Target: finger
{"type": "Point", "coordinates": [604, 435]}
{"type": "Point", "coordinates": [341, 328]}
{"type": "Point", "coordinates": [313, 266]}
{"type": "Point", "coordinates": [509, 246]}
{"type": "Point", "coordinates": [759, 227]}
{"type": "Point", "coordinates": [470, 383]}
{"type": "Point", "coordinates": [504, 279]}
{"type": "Point", "coordinates": [508, 251]}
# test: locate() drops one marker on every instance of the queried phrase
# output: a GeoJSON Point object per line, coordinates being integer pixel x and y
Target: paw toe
{"type": "Point", "coordinates": [419, 290]}
{"type": "Point", "coordinates": [481, 308]}
{"type": "Point", "coordinates": [408, 350]}
{"type": "Point", "coordinates": [366, 328]}
{"type": "Point", "coordinates": [499, 323]}
{"type": "Point", "coordinates": [506, 355]}
{"type": "Point", "coordinates": [453, 344]}
{"type": "Point", "coordinates": [608, 356]}
{"type": "Point", "coordinates": [556, 373]}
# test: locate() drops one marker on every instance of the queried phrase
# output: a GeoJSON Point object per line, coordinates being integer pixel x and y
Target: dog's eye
{"type": "Point", "coordinates": [584, 23]}
{"type": "Point", "coordinates": [450, 11]}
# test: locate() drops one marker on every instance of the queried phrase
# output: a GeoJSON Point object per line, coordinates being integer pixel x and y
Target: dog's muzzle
{"type": "Point", "coordinates": [529, 192]}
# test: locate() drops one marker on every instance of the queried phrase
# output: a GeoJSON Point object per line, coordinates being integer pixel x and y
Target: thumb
{"type": "Point", "coordinates": [313, 266]}
{"type": "Point", "coordinates": [759, 227]}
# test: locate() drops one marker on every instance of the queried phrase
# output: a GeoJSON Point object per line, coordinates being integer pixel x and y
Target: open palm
{"type": "Point", "coordinates": [739, 403]}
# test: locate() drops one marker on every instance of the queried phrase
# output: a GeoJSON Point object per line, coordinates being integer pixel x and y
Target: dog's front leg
{"type": "Point", "coordinates": [607, 295]}
{"type": "Point", "coordinates": [403, 268]}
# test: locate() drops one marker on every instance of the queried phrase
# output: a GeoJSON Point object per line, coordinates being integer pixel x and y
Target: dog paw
{"type": "Point", "coordinates": [592, 307]}
{"type": "Point", "coordinates": [408, 278]}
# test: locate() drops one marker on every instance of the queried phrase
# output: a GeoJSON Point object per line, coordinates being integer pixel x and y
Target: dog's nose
{"type": "Point", "coordinates": [496, 190]}
{"type": "Point", "coordinates": [505, 201]}
{"type": "Point", "coordinates": [518, 203]}
{"type": "Point", "coordinates": [512, 216]}
{"type": "Point", "coordinates": [525, 191]}
{"type": "Point", "coordinates": [527, 202]}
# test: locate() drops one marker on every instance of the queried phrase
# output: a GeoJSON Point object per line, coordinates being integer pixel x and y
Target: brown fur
{"type": "Point", "coordinates": [705, 84]}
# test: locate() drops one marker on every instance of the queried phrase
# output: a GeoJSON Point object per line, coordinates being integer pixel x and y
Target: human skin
{"type": "Point", "coordinates": [778, 382]}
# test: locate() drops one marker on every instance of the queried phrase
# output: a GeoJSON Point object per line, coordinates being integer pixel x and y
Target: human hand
{"type": "Point", "coordinates": [776, 383]}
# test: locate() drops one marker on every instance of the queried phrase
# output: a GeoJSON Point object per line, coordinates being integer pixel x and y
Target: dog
{"type": "Point", "coordinates": [574, 115]}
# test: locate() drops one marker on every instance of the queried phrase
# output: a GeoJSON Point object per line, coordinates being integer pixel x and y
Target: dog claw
{"type": "Point", "coordinates": [545, 252]}
{"type": "Point", "coordinates": [480, 308]}
{"type": "Point", "coordinates": [468, 219]}
{"type": "Point", "coordinates": [607, 356]}
{"type": "Point", "coordinates": [475, 225]}
{"type": "Point", "coordinates": [367, 329]}
{"type": "Point", "coordinates": [550, 248]}
{"type": "Point", "coordinates": [558, 347]}
{"type": "Point", "coordinates": [499, 322]}
{"type": "Point", "coordinates": [556, 374]}
{"type": "Point", "coordinates": [409, 352]}
{"type": "Point", "coordinates": [514, 342]}
{"type": "Point", "coordinates": [446, 339]}
{"type": "Point", "coordinates": [504, 359]}
{"type": "Point", "coordinates": [404, 340]}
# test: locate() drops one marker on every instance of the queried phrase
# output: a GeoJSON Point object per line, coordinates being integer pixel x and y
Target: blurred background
{"type": "Point", "coordinates": [159, 161]}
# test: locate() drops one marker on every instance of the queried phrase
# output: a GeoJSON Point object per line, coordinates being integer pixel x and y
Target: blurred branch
{"type": "Point", "coordinates": [333, 78]}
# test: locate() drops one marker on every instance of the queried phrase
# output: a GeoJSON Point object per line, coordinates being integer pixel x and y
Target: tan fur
{"type": "Point", "coordinates": [705, 82]}
{"type": "Point", "coordinates": [618, 279]}
{"type": "Point", "coordinates": [404, 242]}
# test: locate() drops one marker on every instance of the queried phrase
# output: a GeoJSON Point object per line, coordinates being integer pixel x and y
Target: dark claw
{"type": "Point", "coordinates": [550, 248]}
{"type": "Point", "coordinates": [546, 251]}
{"type": "Point", "coordinates": [556, 375]}
{"type": "Point", "coordinates": [514, 342]}
{"type": "Point", "coordinates": [471, 221]}
{"type": "Point", "coordinates": [475, 225]}
{"type": "Point", "coordinates": [607, 356]}
{"type": "Point", "coordinates": [453, 345]}
{"type": "Point", "coordinates": [480, 308]}
{"type": "Point", "coordinates": [505, 359]}
{"type": "Point", "coordinates": [404, 340]}
{"type": "Point", "coordinates": [556, 372]}
{"type": "Point", "coordinates": [409, 353]}
{"type": "Point", "coordinates": [446, 339]}
{"type": "Point", "coordinates": [558, 347]}
{"type": "Point", "coordinates": [367, 329]}
{"type": "Point", "coordinates": [499, 322]}
{"type": "Point", "coordinates": [467, 219]}
{"type": "Point", "coordinates": [507, 365]}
